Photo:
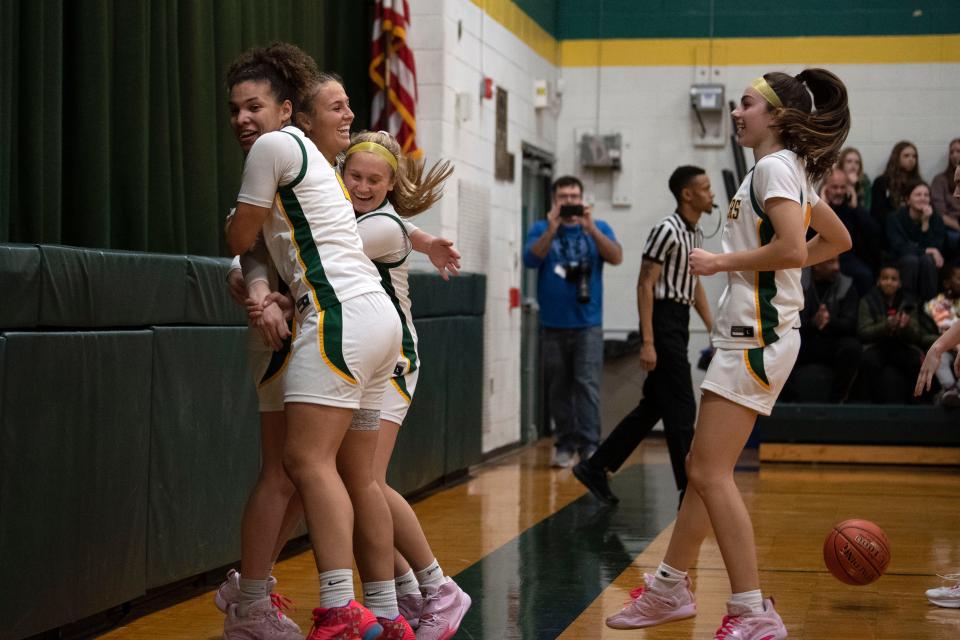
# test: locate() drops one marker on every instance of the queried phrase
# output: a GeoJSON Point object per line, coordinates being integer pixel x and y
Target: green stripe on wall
{"type": "Point", "coordinates": [628, 19]}
{"type": "Point", "coordinates": [870, 33]}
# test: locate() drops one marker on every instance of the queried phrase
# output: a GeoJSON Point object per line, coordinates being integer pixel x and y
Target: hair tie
{"type": "Point", "coordinates": [764, 89]}
{"type": "Point", "coordinates": [377, 149]}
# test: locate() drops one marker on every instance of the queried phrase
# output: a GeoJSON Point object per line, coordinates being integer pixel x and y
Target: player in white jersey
{"type": "Point", "coordinates": [795, 126]}
{"type": "Point", "coordinates": [387, 188]}
{"type": "Point", "coordinates": [345, 347]}
{"type": "Point", "coordinates": [268, 357]}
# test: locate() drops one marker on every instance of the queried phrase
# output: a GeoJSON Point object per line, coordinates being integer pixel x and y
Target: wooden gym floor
{"type": "Point", "coordinates": [544, 559]}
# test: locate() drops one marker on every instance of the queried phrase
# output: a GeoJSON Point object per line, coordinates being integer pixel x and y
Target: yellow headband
{"type": "Point", "coordinates": [378, 149]}
{"type": "Point", "coordinates": [761, 85]}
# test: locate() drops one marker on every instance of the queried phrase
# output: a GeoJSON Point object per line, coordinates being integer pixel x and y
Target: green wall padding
{"type": "Point", "coordinates": [204, 450]}
{"type": "Point", "coordinates": [74, 420]}
{"type": "Point", "coordinates": [443, 429]}
{"type": "Point", "coordinates": [19, 286]}
{"type": "Point", "coordinates": [90, 288]}
{"type": "Point", "coordinates": [461, 295]}
{"type": "Point", "coordinates": [208, 301]}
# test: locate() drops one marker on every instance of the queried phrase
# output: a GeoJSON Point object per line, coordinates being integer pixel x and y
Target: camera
{"type": "Point", "coordinates": [571, 210]}
{"type": "Point", "coordinates": [579, 274]}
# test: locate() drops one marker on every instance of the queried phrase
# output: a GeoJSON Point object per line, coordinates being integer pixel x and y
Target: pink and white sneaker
{"type": "Point", "coordinates": [261, 621]}
{"type": "Point", "coordinates": [946, 596]}
{"type": "Point", "coordinates": [649, 605]}
{"type": "Point", "coordinates": [229, 591]}
{"type": "Point", "coordinates": [742, 624]}
{"type": "Point", "coordinates": [443, 610]}
{"type": "Point", "coordinates": [410, 606]}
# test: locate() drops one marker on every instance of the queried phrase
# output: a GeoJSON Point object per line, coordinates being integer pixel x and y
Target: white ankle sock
{"type": "Point", "coordinates": [407, 584]}
{"type": "Point", "coordinates": [251, 591]}
{"type": "Point", "coordinates": [381, 599]}
{"type": "Point", "coordinates": [752, 599]}
{"type": "Point", "coordinates": [431, 576]}
{"type": "Point", "coordinates": [667, 577]}
{"type": "Point", "coordinates": [336, 588]}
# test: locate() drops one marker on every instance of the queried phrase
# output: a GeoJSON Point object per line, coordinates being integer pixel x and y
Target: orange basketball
{"type": "Point", "coordinates": [856, 552]}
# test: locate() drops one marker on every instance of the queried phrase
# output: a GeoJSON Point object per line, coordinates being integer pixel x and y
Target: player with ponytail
{"type": "Point", "coordinates": [796, 126]}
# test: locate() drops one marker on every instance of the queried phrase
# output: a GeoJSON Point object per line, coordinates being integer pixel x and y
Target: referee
{"type": "Point", "coordinates": [665, 292]}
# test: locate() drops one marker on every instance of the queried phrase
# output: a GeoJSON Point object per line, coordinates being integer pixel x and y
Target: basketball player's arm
{"type": "Point", "coordinates": [702, 306]}
{"type": "Point", "coordinates": [931, 362]}
{"type": "Point", "coordinates": [243, 228]}
{"type": "Point", "coordinates": [787, 249]}
{"type": "Point", "coordinates": [267, 317]}
{"type": "Point", "coordinates": [832, 237]}
{"type": "Point", "coordinates": [443, 255]}
{"type": "Point", "coordinates": [649, 274]}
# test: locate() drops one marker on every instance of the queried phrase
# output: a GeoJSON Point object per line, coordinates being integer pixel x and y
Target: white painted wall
{"type": "Point", "coordinates": [916, 102]}
{"type": "Point", "coordinates": [455, 45]}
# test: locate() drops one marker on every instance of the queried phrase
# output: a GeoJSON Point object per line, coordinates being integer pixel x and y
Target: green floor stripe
{"type": "Point", "coordinates": [537, 584]}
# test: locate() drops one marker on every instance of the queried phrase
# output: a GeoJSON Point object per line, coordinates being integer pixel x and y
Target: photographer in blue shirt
{"type": "Point", "coordinates": [568, 249]}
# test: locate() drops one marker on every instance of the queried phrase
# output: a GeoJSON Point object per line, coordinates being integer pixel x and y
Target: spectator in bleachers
{"type": "Point", "coordinates": [944, 311]}
{"type": "Point", "coordinates": [915, 239]}
{"type": "Point", "coordinates": [941, 196]}
{"type": "Point", "coordinates": [887, 192]}
{"type": "Point", "coordinates": [851, 162]}
{"type": "Point", "coordinates": [829, 347]}
{"type": "Point", "coordinates": [893, 341]}
{"type": "Point", "coordinates": [861, 262]}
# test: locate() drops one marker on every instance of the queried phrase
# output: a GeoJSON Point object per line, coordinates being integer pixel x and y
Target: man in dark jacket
{"type": "Point", "coordinates": [828, 335]}
{"type": "Point", "coordinates": [861, 262]}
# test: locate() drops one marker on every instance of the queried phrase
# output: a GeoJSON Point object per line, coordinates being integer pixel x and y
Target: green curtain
{"type": "Point", "coordinates": [114, 131]}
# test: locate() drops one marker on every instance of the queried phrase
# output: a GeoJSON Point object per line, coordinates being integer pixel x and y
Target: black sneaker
{"type": "Point", "coordinates": [596, 481]}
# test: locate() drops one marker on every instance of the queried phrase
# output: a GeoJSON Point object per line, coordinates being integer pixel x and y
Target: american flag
{"type": "Point", "coordinates": [394, 74]}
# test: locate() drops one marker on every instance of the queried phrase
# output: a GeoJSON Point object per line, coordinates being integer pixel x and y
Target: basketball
{"type": "Point", "coordinates": [856, 552]}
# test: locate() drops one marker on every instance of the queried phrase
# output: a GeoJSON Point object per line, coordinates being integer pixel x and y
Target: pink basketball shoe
{"type": "Point", "coordinates": [410, 606]}
{"type": "Point", "coordinates": [742, 624]}
{"type": "Point", "coordinates": [229, 591]}
{"type": "Point", "coordinates": [650, 605]}
{"type": "Point", "coordinates": [396, 629]}
{"type": "Point", "coordinates": [350, 622]}
{"type": "Point", "coordinates": [261, 620]}
{"type": "Point", "coordinates": [443, 610]}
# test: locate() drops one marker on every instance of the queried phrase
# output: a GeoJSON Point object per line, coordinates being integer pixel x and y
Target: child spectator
{"type": "Point", "coordinates": [944, 310]}
{"type": "Point", "coordinates": [915, 238]}
{"type": "Point", "coordinates": [893, 340]}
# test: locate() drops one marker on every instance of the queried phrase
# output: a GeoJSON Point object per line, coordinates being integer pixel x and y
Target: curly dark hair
{"type": "Point", "coordinates": [290, 71]}
{"type": "Point", "coordinates": [815, 135]}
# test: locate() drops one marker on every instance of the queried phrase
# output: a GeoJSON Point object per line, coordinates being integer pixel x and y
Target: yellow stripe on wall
{"type": "Point", "coordinates": [688, 52]}
{"type": "Point", "coordinates": [523, 26]}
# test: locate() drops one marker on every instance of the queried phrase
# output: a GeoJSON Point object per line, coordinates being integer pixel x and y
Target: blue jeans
{"type": "Point", "coordinates": [572, 366]}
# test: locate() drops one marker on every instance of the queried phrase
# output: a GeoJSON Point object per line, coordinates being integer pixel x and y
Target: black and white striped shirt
{"type": "Point", "coordinates": [669, 244]}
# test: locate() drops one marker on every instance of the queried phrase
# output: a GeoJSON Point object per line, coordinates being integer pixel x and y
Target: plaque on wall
{"type": "Point", "coordinates": [503, 161]}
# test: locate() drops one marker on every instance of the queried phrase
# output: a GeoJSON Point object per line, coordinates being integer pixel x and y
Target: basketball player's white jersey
{"type": "Point", "coordinates": [311, 233]}
{"type": "Point", "coordinates": [386, 241]}
{"type": "Point", "coordinates": [759, 307]}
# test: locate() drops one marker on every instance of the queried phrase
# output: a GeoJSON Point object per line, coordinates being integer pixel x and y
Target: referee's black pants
{"type": "Point", "coordinates": [667, 395]}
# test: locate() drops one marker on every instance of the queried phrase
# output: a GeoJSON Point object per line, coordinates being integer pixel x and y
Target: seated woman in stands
{"type": "Point", "coordinates": [887, 192]}
{"type": "Point", "coordinates": [915, 240]}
